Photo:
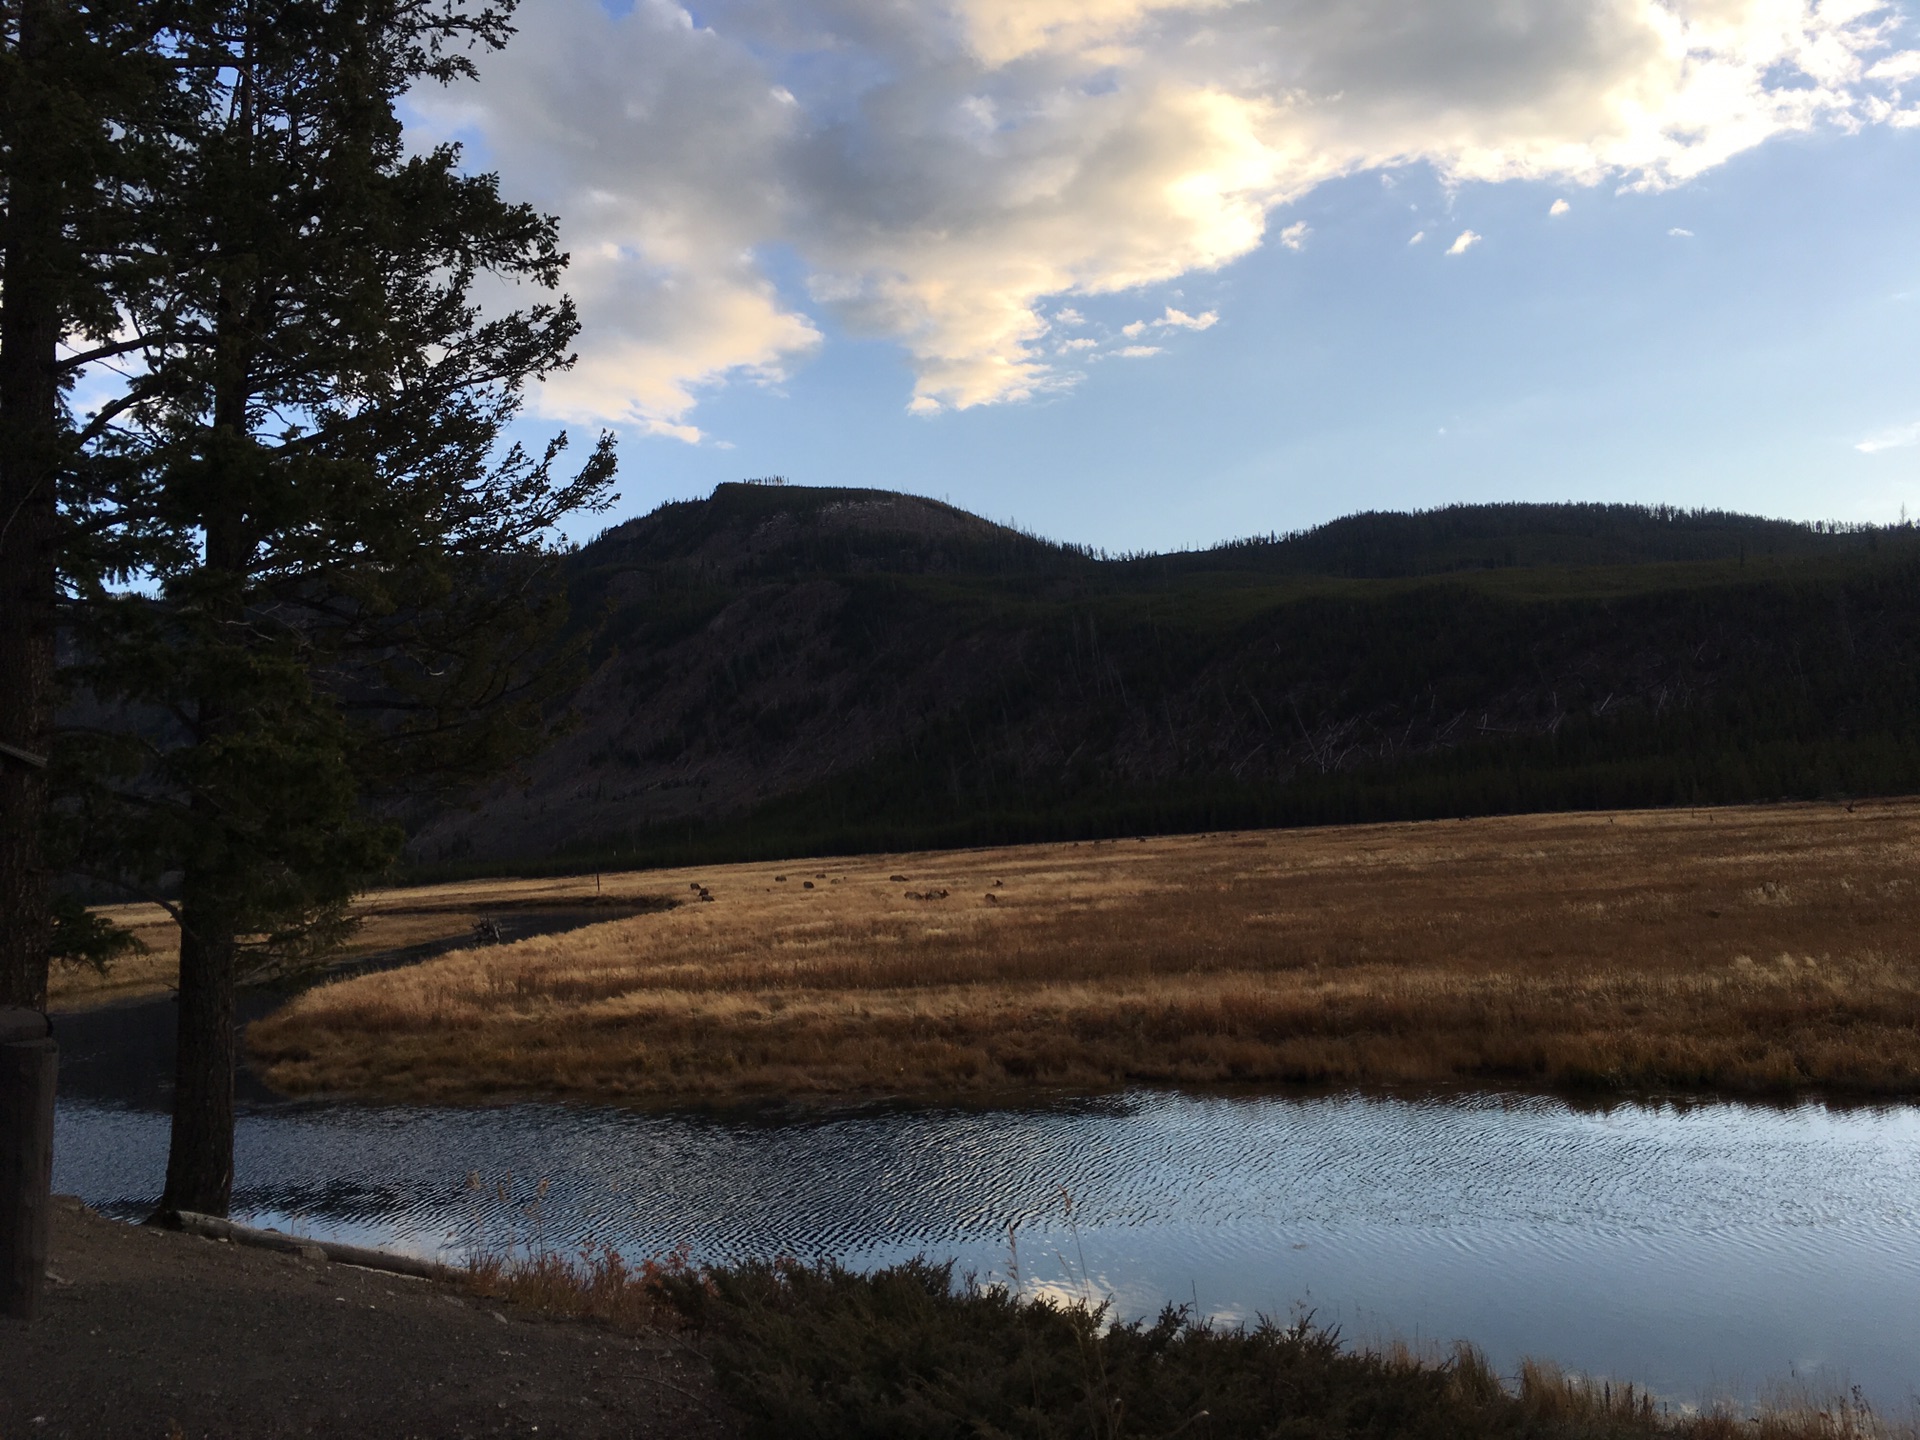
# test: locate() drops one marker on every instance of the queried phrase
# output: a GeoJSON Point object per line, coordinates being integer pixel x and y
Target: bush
{"type": "Point", "coordinates": [819, 1351]}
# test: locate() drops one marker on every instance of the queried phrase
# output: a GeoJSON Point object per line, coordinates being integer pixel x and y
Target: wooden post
{"type": "Point", "coordinates": [29, 1061]}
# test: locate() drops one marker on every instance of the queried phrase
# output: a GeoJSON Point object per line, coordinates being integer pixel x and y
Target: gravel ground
{"type": "Point", "coordinates": [155, 1335]}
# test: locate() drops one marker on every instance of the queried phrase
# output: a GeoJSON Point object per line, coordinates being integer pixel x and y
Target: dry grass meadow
{"type": "Point", "coordinates": [1767, 949]}
{"type": "Point", "coordinates": [389, 920]}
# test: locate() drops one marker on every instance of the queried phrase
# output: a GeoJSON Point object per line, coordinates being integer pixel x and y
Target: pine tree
{"type": "Point", "coordinates": [339, 579]}
{"type": "Point", "coordinates": [87, 103]}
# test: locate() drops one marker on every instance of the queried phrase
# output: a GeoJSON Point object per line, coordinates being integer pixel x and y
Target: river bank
{"type": "Point", "coordinates": [154, 1334]}
{"type": "Point", "coordinates": [1748, 950]}
{"type": "Point", "coordinates": [148, 1335]}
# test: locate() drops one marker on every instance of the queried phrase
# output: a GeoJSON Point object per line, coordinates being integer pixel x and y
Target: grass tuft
{"type": "Point", "coordinates": [595, 1284]}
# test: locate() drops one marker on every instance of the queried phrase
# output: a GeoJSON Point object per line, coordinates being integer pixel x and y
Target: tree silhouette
{"type": "Point", "coordinates": [332, 574]}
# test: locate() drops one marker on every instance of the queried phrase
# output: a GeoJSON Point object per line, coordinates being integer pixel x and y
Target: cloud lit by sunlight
{"type": "Point", "coordinates": [942, 177]}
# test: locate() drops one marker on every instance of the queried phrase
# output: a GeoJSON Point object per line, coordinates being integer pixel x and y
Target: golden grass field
{"type": "Point", "coordinates": [388, 920]}
{"type": "Point", "coordinates": [1763, 949]}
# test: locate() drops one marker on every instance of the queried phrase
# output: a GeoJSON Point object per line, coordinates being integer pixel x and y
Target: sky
{"type": "Point", "coordinates": [1147, 274]}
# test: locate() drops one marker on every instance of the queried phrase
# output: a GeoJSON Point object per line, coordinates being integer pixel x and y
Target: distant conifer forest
{"type": "Point", "coordinates": [784, 670]}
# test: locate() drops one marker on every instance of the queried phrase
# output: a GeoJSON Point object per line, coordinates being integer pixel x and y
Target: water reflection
{"type": "Point", "coordinates": [1695, 1249]}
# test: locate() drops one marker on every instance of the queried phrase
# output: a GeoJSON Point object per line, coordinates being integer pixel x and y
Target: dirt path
{"type": "Point", "coordinates": [150, 1335]}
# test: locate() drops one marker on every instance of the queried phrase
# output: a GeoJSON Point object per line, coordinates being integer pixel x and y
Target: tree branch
{"type": "Point", "coordinates": [85, 358]}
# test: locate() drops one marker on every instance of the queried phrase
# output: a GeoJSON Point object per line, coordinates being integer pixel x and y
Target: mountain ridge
{"type": "Point", "coordinates": [779, 669]}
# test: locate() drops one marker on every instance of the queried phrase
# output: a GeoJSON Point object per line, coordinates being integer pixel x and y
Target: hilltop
{"type": "Point", "coordinates": [783, 669]}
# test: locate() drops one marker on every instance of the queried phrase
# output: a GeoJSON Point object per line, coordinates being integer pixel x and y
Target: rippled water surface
{"type": "Point", "coordinates": [1700, 1250]}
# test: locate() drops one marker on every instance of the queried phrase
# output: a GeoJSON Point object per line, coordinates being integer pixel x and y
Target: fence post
{"type": "Point", "coordinates": [29, 1061]}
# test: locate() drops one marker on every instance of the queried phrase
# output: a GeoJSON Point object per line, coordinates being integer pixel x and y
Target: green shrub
{"type": "Point", "coordinates": [819, 1351]}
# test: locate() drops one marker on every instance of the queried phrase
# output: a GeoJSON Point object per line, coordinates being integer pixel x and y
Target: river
{"type": "Point", "coordinates": [1702, 1249]}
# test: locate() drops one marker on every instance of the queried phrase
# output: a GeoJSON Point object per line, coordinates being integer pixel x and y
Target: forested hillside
{"type": "Point", "coordinates": [778, 670]}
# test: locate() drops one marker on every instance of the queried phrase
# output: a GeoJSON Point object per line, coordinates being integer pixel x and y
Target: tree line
{"type": "Point", "coordinates": [971, 702]}
{"type": "Point", "coordinates": [269, 560]}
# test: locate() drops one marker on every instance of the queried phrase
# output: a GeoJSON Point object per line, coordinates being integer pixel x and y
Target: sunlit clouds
{"type": "Point", "coordinates": [1181, 320]}
{"type": "Point", "coordinates": [737, 184]}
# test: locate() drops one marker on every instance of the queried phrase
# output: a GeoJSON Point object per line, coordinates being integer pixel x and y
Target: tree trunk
{"type": "Point", "coordinates": [200, 1155]}
{"type": "Point", "coordinates": [28, 1065]}
{"type": "Point", "coordinates": [29, 458]}
{"type": "Point", "coordinates": [200, 1152]}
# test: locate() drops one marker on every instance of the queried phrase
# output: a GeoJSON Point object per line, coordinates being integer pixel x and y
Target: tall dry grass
{"type": "Point", "coordinates": [386, 920]}
{"type": "Point", "coordinates": [1755, 949]}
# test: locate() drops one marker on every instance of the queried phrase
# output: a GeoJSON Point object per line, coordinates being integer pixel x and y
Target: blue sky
{"type": "Point", "coordinates": [855, 256]}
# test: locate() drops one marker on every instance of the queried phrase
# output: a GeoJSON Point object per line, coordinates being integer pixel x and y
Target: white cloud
{"type": "Point", "coordinates": [1138, 327]}
{"type": "Point", "coordinates": [1137, 352]}
{"type": "Point", "coordinates": [1680, 233]}
{"type": "Point", "coordinates": [653, 141]}
{"type": "Point", "coordinates": [1898, 438]}
{"type": "Point", "coordinates": [1464, 242]}
{"type": "Point", "coordinates": [1083, 343]}
{"type": "Point", "coordinates": [946, 176]}
{"type": "Point", "coordinates": [1559, 207]}
{"type": "Point", "coordinates": [1897, 68]}
{"type": "Point", "coordinates": [1180, 320]}
{"type": "Point", "coordinates": [1294, 237]}
{"type": "Point", "coordinates": [1418, 236]}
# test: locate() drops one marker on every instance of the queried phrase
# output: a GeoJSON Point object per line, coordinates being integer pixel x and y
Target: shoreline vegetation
{"type": "Point", "coordinates": [1766, 950]}
{"type": "Point", "coordinates": [819, 1352]}
{"type": "Point", "coordinates": [149, 1328]}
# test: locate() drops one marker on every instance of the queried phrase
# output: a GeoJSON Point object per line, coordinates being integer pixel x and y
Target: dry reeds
{"type": "Point", "coordinates": [1762, 949]}
{"type": "Point", "coordinates": [595, 1284]}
